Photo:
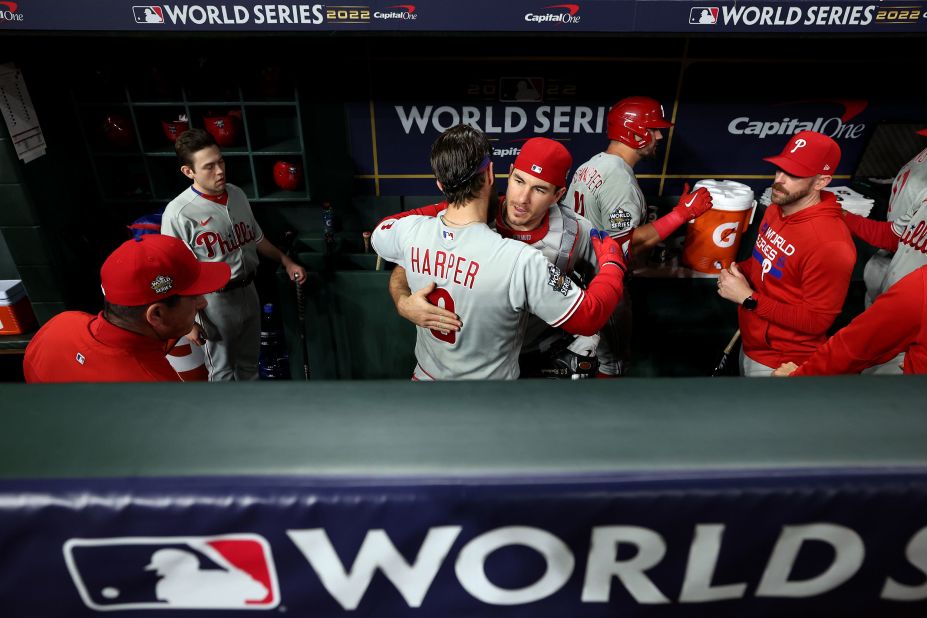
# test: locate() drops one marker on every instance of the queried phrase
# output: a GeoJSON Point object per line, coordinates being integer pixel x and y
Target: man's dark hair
{"type": "Point", "coordinates": [190, 142]}
{"type": "Point", "coordinates": [457, 158]}
{"type": "Point", "coordinates": [124, 315]}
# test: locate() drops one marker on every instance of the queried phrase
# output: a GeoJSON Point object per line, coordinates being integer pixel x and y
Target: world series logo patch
{"type": "Point", "coordinates": [619, 219]}
{"type": "Point", "coordinates": [557, 280]}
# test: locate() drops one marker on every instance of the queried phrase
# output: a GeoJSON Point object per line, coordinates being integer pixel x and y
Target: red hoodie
{"type": "Point", "coordinates": [896, 322]}
{"type": "Point", "coordinates": [800, 271]}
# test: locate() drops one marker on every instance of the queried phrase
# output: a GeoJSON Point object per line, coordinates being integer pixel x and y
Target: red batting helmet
{"type": "Point", "coordinates": [629, 119]}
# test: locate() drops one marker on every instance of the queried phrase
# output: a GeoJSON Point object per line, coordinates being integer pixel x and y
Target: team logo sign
{"type": "Point", "coordinates": [557, 280]}
{"type": "Point", "coordinates": [232, 571]}
{"type": "Point", "coordinates": [703, 15]}
{"type": "Point", "coordinates": [619, 219]}
{"type": "Point", "coordinates": [152, 14]}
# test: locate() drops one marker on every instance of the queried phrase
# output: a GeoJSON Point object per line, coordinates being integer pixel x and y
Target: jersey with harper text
{"type": "Point", "coordinates": [605, 191]}
{"type": "Point", "coordinates": [215, 232]}
{"type": "Point", "coordinates": [492, 283]}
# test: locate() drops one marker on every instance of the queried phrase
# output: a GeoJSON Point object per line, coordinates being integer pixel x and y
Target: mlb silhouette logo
{"type": "Point", "coordinates": [704, 15]}
{"type": "Point", "coordinates": [233, 571]}
{"type": "Point", "coordinates": [148, 14]}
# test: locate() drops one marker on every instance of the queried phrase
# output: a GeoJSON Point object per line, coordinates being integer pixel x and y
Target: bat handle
{"type": "Point", "coordinates": [732, 342]}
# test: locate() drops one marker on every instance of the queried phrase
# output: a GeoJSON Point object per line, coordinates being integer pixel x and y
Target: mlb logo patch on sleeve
{"type": "Point", "coordinates": [233, 571]}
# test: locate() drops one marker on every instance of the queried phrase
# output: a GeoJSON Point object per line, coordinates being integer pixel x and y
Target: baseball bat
{"type": "Point", "coordinates": [290, 244]}
{"type": "Point", "coordinates": [726, 355]}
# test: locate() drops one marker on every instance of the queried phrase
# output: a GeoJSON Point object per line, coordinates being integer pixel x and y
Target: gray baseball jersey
{"type": "Point", "coordinates": [908, 208]}
{"type": "Point", "coordinates": [492, 283]}
{"type": "Point", "coordinates": [605, 191]}
{"type": "Point", "coordinates": [223, 233]}
{"type": "Point", "coordinates": [216, 233]}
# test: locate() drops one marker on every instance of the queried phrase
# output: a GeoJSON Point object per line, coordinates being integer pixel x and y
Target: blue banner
{"type": "Point", "coordinates": [776, 543]}
{"type": "Point", "coordinates": [536, 16]}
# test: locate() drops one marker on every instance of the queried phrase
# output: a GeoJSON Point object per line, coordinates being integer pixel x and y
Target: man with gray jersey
{"type": "Point", "coordinates": [531, 213]}
{"type": "Point", "coordinates": [903, 237]}
{"type": "Point", "coordinates": [605, 191]}
{"type": "Point", "coordinates": [491, 283]}
{"type": "Point", "coordinates": [215, 220]}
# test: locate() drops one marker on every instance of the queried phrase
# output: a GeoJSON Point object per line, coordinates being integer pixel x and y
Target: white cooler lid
{"type": "Point", "coordinates": [11, 291]}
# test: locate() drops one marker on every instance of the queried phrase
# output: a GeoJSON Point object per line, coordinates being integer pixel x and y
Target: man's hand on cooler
{"type": "Point", "coordinates": [607, 251]}
{"type": "Point", "coordinates": [693, 205]}
{"type": "Point", "coordinates": [416, 308]}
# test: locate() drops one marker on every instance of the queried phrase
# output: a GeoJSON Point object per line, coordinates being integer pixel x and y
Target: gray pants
{"type": "Point", "coordinates": [232, 321]}
{"type": "Point", "coordinates": [752, 369]}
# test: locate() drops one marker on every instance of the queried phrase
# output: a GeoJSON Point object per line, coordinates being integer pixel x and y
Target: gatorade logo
{"type": "Point", "coordinates": [799, 143]}
{"type": "Point", "coordinates": [725, 234]}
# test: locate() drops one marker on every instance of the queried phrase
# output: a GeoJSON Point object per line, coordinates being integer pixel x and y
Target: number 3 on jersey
{"type": "Point", "coordinates": [440, 297]}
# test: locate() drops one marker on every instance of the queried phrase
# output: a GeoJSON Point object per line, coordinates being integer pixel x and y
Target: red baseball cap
{"type": "Point", "coordinates": [546, 159]}
{"type": "Point", "coordinates": [153, 267]}
{"type": "Point", "coordinates": [807, 154]}
{"type": "Point", "coordinates": [922, 132]}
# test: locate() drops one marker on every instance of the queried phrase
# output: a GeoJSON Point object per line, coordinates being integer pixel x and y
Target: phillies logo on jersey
{"type": "Point", "coordinates": [232, 571]}
{"type": "Point", "coordinates": [215, 244]}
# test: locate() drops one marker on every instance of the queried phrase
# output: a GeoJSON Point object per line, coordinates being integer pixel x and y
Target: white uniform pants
{"type": "Point", "coordinates": [751, 369]}
{"type": "Point", "coordinates": [232, 321]}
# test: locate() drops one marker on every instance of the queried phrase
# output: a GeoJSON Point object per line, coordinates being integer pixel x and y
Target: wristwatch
{"type": "Point", "coordinates": [749, 303]}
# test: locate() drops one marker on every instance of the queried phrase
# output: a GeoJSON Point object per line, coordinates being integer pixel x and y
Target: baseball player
{"type": "Point", "coordinates": [793, 286]}
{"type": "Point", "coordinates": [531, 213]}
{"type": "Point", "coordinates": [902, 235]}
{"type": "Point", "coordinates": [491, 282]}
{"type": "Point", "coordinates": [895, 323]}
{"type": "Point", "coordinates": [152, 290]}
{"type": "Point", "coordinates": [214, 218]}
{"type": "Point", "coordinates": [605, 191]}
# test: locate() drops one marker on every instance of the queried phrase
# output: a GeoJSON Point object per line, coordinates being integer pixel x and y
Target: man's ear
{"type": "Point", "coordinates": [822, 181]}
{"type": "Point", "coordinates": [440, 186]}
{"type": "Point", "coordinates": [559, 194]}
{"type": "Point", "coordinates": [187, 171]}
{"type": "Point", "coordinates": [154, 314]}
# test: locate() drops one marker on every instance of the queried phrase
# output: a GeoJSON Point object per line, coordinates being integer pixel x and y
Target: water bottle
{"type": "Point", "coordinates": [273, 359]}
{"type": "Point", "coordinates": [328, 226]}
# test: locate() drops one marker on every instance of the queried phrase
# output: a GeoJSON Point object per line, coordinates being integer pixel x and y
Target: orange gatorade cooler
{"type": "Point", "coordinates": [16, 315]}
{"type": "Point", "coordinates": [712, 240]}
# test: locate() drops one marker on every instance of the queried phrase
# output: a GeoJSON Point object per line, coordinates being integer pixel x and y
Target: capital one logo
{"type": "Point", "coordinates": [234, 571]}
{"type": "Point", "coordinates": [836, 127]}
{"type": "Point", "coordinates": [8, 12]}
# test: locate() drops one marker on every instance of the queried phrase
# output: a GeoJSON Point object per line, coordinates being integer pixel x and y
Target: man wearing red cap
{"type": "Point", "coordinates": [152, 287]}
{"type": "Point", "coordinates": [605, 191]}
{"type": "Point", "coordinates": [491, 283]}
{"type": "Point", "coordinates": [794, 284]}
{"type": "Point", "coordinates": [903, 237]}
{"type": "Point", "coordinates": [531, 213]}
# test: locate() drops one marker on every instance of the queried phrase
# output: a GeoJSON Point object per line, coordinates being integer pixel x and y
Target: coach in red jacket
{"type": "Point", "coordinates": [794, 284]}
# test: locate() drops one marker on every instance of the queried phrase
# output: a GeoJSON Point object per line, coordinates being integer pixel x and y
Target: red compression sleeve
{"type": "Point", "coordinates": [877, 233]}
{"type": "Point", "coordinates": [599, 301]}
{"type": "Point", "coordinates": [667, 224]}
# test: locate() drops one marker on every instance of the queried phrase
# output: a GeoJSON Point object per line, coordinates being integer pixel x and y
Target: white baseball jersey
{"type": "Point", "coordinates": [216, 233]}
{"type": "Point", "coordinates": [492, 283]}
{"type": "Point", "coordinates": [907, 209]}
{"type": "Point", "coordinates": [605, 191]}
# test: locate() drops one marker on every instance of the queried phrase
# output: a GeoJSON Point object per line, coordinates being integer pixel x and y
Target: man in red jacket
{"type": "Point", "coordinates": [895, 323]}
{"type": "Point", "coordinates": [794, 284]}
